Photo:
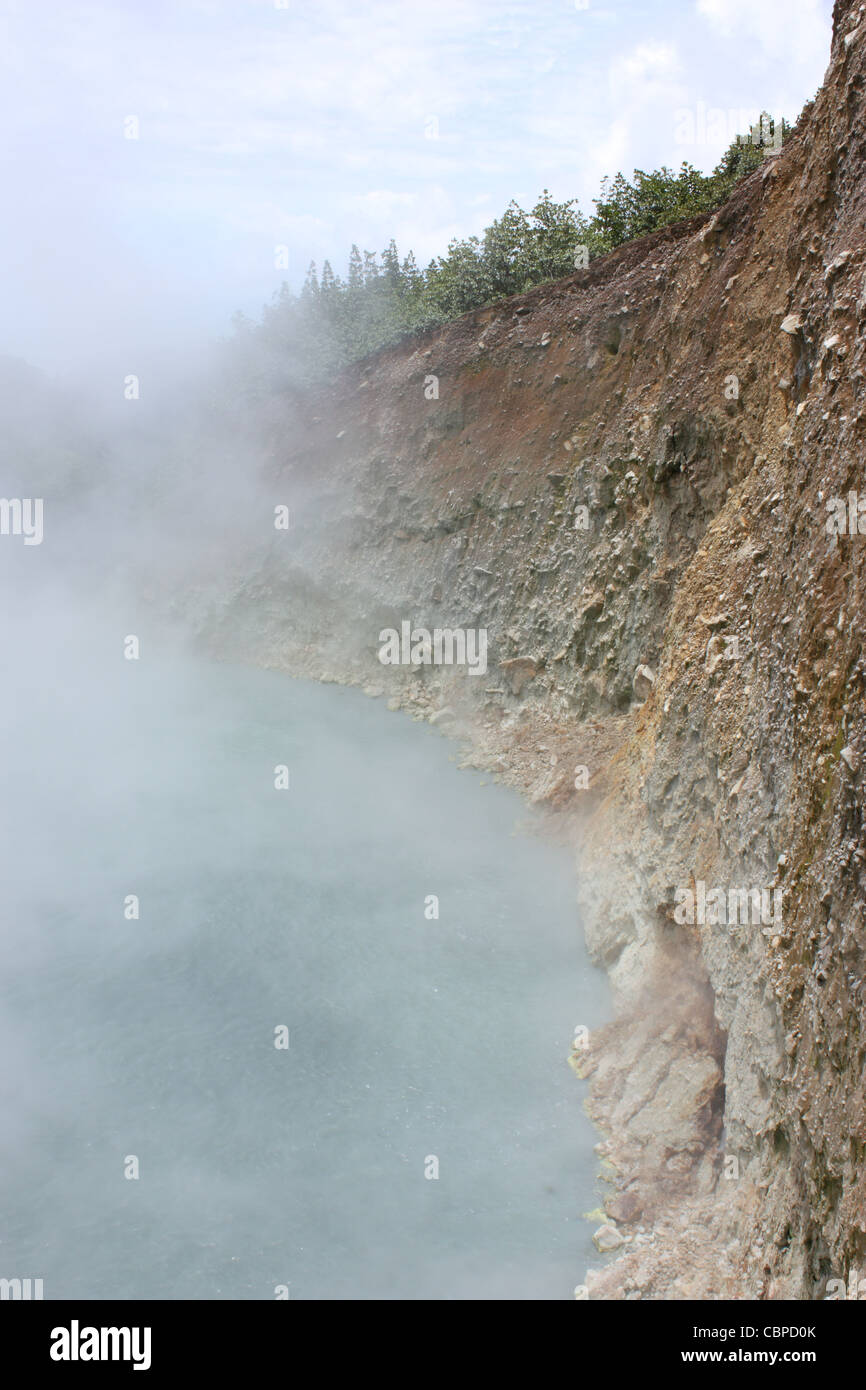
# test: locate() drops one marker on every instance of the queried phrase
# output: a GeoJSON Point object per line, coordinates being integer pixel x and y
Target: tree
{"type": "Point", "coordinates": [555, 232]}
{"type": "Point", "coordinates": [356, 269]}
{"type": "Point", "coordinates": [311, 283]}
{"type": "Point", "coordinates": [333, 322]}
{"type": "Point", "coordinates": [391, 266]}
{"type": "Point", "coordinates": [328, 283]}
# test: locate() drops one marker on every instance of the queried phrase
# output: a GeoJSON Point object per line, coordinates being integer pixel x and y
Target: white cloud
{"type": "Point", "coordinates": [642, 83]}
{"type": "Point", "coordinates": [785, 29]}
{"type": "Point", "coordinates": [307, 126]}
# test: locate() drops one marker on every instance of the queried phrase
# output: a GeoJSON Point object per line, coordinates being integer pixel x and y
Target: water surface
{"type": "Point", "coordinates": [411, 1039]}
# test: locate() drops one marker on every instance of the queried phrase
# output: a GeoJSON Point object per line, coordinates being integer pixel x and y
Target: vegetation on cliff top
{"type": "Point", "coordinates": [334, 321]}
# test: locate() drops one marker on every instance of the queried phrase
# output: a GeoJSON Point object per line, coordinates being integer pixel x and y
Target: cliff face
{"type": "Point", "coordinates": [631, 468]}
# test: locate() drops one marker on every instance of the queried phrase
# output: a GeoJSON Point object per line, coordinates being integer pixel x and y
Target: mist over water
{"type": "Point", "coordinates": [409, 1037]}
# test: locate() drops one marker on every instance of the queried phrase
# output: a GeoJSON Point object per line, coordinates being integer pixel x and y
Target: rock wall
{"type": "Point", "coordinates": [624, 478]}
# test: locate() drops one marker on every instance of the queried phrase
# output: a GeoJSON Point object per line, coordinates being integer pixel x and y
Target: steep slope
{"type": "Point", "coordinates": [692, 639]}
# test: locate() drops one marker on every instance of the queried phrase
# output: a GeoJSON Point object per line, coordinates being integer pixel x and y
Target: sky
{"type": "Point", "coordinates": [166, 164]}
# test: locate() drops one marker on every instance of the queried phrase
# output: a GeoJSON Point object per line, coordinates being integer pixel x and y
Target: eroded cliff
{"type": "Point", "coordinates": [624, 478]}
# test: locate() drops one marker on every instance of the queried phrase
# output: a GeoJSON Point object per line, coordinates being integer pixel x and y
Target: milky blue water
{"type": "Point", "coordinates": [417, 1045]}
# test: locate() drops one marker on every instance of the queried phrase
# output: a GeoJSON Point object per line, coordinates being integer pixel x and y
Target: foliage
{"type": "Point", "coordinates": [334, 321]}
